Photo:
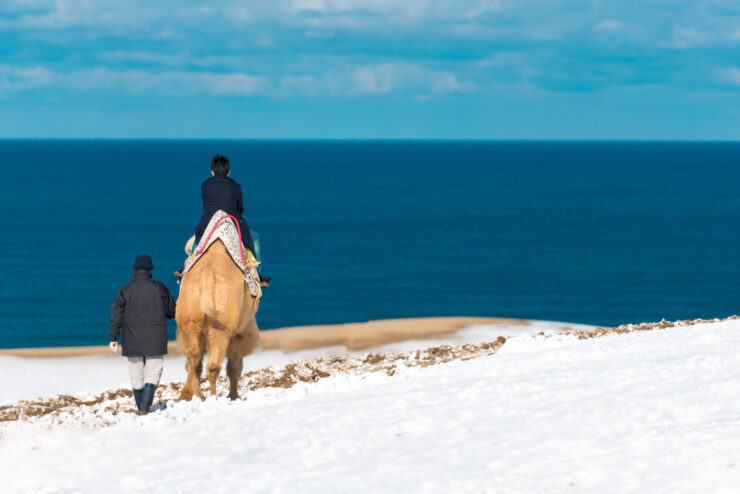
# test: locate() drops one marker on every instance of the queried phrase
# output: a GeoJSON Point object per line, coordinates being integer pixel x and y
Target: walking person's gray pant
{"type": "Point", "coordinates": [145, 370]}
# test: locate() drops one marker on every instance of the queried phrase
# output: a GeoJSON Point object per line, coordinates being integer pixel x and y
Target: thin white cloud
{"type": "Point", "coordinates": [502, 59]}
{"type": "Point", "coordinates": [64, 14]}
{"type": "Point", "coordinates": [103, 18]}
{"type": "Point", "coordinates": [689, 37]}
{"type": "Point", "coordinates": [203, 15]}
{"type": "Point", "coordinates": [136, 81]}
{"type": "Point", "coordinates": [445, 82]}
{"type": "Point", "coordinates": [14, 79]}
{"type": "Point", "coordinates": [230, 84]}
{"type": "Point", "coordinates": [728, 75]}
{"type": "Point", "coordinates": [609, 25]}
{"type": "Point", "coordinates": [19, 6]}
{"type": "Point", "coordinates": [239, 13]}
{"type": "Point", "coordinates": [300, 82]}
{"type": "Point", "coordinates": [735, 75]}
{"type": "Point", "coordinates": [230, 63]}
{"type": "Point", "coordinates": [391, 77]}
{"type": "Point", "coordinates": [332, 82]}
{"type": "Point", "coordinates": [147, 57]}
{"type": "Point", "coordinates": [547, 34]}
{"type": "Point", "coordinates": [407, 10]}
{"type": "Point", "coordinates": [374, 79]}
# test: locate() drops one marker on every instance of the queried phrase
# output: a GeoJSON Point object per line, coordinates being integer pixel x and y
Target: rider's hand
{"type": "Point", "coordinates": [113, 346]}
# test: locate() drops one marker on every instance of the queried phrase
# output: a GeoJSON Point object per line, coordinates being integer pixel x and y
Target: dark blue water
{"type": "Point", "coordinates": [601, 233]}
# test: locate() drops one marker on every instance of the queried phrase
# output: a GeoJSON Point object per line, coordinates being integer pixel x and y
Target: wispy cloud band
{"type": "Point", "coordinates": [366, 51]}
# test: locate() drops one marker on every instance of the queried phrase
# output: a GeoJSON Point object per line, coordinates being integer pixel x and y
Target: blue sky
{"type": "Point", "coordinates": [560, 69]}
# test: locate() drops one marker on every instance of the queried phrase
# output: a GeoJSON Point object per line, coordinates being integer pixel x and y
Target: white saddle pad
{"type": "Point", "coordinates": [225, 230]}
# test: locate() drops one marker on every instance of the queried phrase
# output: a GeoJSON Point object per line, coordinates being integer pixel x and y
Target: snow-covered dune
{"type": "Point", "coordinates": [644, 411]}
{"type": "Point", "coordinates": [33, 377]}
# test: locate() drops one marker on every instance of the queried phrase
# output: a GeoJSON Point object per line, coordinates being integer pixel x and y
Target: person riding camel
{"type": "Point", "coordinates": [220, 192]}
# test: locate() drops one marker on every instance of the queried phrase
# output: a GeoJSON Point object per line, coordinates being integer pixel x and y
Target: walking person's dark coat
{"type": "Point", "coordinates": [222, 192]}
{"type": "Point", "coordinates": [142, 307]}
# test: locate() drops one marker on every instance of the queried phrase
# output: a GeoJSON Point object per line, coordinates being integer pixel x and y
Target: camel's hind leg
{"type": "Point", "coordinates": [218, 342]}
{"type": "Point", "coordinates": [193, 344]}
{"type": "Point", "coordinates": [240, 346]}
{"type": "Point", "coordinates": [234, 365]}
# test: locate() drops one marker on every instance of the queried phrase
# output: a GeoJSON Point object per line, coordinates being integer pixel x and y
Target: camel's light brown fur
{"type": "Point", "coordinates": [215, 313]}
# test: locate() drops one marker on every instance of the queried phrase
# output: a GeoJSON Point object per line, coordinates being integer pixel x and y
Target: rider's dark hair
{"type": "Point", "coordinates": [220, 165]}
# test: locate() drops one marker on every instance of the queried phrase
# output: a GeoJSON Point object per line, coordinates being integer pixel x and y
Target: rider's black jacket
{"type": "Point", "coordinates": [221, 192]}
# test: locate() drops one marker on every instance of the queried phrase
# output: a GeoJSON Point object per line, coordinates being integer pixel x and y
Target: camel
{"type": "Point", "coordinates": [215, 313]}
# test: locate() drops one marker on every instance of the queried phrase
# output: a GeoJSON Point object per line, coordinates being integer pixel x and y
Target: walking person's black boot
{"type": "Point", "coordinates": [147, 398]}
{"type": "Point", "coordinates": [137, 397]}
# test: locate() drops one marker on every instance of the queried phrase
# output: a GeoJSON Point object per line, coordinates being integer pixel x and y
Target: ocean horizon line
{"type": "Point", "coordinates": [371, 139]}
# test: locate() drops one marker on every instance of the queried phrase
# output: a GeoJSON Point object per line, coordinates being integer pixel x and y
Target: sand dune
{"type": "Point", "coordinates": [354, 336]}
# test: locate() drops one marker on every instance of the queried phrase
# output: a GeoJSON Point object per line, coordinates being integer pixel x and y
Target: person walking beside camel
{"type": "Point", "coordinates": [142, 307]}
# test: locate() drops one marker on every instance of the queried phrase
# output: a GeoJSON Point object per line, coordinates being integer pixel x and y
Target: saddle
{"type": "Point", "coordinates": [225, 228]}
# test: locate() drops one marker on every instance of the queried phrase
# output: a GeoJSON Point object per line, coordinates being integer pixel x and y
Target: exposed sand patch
{"type": "Point", "coordinates": [364, 335]}
{"type": "Point", "coordinates": [355, 336]}
{"type": "Point", "coordinates": [62, 352]}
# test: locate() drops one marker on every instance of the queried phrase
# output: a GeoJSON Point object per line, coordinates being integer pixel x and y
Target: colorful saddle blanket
{"type": "Point", "coordinates": [224, 229]}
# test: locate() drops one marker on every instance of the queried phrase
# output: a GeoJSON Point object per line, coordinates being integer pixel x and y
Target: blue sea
{"type": "Point", "coordinates": [590, 232]}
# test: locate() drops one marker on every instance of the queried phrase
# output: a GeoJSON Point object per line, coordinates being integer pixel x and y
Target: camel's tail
{"type": "Point", "coordinates": [208, 295]}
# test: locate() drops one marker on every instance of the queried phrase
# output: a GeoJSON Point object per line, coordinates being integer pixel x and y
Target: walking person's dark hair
{"type": "Point", "coordinates": [220, 165]}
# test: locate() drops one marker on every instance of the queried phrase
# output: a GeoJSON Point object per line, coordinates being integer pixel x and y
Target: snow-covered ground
{"type": "Point", "coordinates": [49, 376]}
{"type": "Point", "coordinates": [654, 411]}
